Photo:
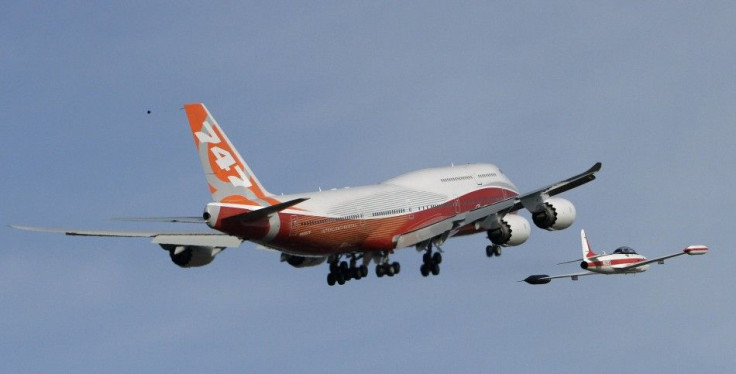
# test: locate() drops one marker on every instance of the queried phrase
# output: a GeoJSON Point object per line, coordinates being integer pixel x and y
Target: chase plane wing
{"type": "Point", "coordinates": [691, 250]}
{"type": "Point", "coordinates": [544, 279]}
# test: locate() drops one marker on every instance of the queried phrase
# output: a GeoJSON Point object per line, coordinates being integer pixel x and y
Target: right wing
{"type": "Point", "coordinates": [533, 199]}
{"type": "Point", "coordinates": [211, 239]}
{"type": "Point", "coordinates": [448, 227]}
{"type": "Point", "coordinates": [691, 250]}
{"type": "Point", "coordinates": [544, 279]}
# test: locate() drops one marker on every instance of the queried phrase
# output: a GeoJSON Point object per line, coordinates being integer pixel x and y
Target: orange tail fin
{"type": "Point", "coordinates": [228, 176]}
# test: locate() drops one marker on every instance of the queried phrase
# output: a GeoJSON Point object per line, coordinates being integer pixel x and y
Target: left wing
{"type": "Point", "coordinates": [212, 239]}
{"type": "Point", "coordinates": [448, 227]}
{"type": "Point", "coordinates": [692, 250]}
{"type": "Point", "coordinates": [544, 279]}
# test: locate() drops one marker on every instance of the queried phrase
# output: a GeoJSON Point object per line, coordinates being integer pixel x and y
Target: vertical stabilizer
{"type": "Point", "coordinates": [587, 251]}
{"type": "Point", "coordinates": [228, 176]}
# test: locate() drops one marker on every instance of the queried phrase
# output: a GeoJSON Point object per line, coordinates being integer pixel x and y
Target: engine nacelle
{"type": "Point", "coordinates": [301, 261]}
{"type": "Point", "coordinates": [189, 256]}
{"type": "Point", "coordinates": [556, 214]}
{"type": "Point", "coordinates": [511, 230]}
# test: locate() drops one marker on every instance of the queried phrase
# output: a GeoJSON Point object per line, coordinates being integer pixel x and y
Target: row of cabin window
{"type": "Point", "coordinates": [455, 179]}
{"type": "Point", "coordinates": [388, 212]}
{"type": "Point", "coordinates": [356, 216]}
{"type": "Point", "coordinates": [326, 220]}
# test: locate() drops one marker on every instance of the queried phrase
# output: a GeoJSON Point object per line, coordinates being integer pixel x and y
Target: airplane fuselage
{"type": "Point", "coordinates": [369, 218]}
{"type": "Point", "coordinates": [613, 264]}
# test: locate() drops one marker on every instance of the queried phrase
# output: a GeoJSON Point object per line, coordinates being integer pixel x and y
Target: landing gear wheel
{"type": "Point", "coordinates": [363, 271]}
{"type": "Point", "coordinates": [493, 250]}
{"type": "Point", "coordinates": [379, 271]}
{"type": "Point", "coordinates": [396, 267]}
{"type": "Point", "coordinates": [390, 271]}
{"type": "Point", "coordinates": [435, 269]}
{"type": "Point", "coordinates": [424, 269]}
{"type": "Point", "coordinates": [340, 279]}
{"type": "Point", "coordinates": [437, 258]}
{"type": "Point", "coordinates": [331, 279]}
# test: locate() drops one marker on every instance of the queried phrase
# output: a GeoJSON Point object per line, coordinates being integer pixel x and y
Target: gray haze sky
{"type": "Point", "coordinates": [334, 94]}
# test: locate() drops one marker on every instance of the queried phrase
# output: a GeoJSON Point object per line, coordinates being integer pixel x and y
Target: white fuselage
{"type": "Point", "coordinates": [613, 264]}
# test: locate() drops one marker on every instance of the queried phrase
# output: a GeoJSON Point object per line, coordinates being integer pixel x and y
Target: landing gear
{"type": "Point", "coordinates": [493, 250]}
{"type": "Point", "coordinates": [341, 271]}
{"type": "Point", "coordinates": [431, 263]}
{"type": "Point", "coordinates": [388, 269]}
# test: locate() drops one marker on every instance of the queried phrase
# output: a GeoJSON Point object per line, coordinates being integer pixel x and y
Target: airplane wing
{"type": "Point", "coordinates": [544, 279]}
{"type": "Point", "coordinates": [185, 238]}
{"type": "Point", "coordinates": [535, 198]}
{"type": "Point", "coordinates": [212, 239]}
{"type": "Point", "coordinates": [691, 250]}
{"type": "Point", "coordinates": [531, 200]}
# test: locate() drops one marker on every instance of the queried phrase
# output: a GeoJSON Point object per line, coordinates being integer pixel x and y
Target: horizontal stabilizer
{"type": "Point", "coordinates": [264, 212]}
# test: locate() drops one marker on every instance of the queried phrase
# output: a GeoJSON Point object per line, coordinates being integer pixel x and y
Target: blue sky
{"type": "Point", "coordinates": [325, 95]}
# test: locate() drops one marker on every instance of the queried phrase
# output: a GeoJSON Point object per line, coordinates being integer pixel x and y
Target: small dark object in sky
{"type": "Point", "coordinates": [148, 112]}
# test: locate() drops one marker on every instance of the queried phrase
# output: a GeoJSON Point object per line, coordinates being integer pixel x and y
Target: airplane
{"type": "Point", "coordinates": [623, 260]}
{"type": "Point", "coordinates": [420, 209]}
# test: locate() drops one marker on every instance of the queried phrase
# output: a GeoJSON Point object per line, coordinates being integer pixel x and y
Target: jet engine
{"type": "Point", "coordinates": [555, 214]}
{"type": "Point", "coordinates": [511, 230]}
{"type": "Point", "coordinates": [301, 261]}
{"type": "Point", "coordinates": [189, 256]}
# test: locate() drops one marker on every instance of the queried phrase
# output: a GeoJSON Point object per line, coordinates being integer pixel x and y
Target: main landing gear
{"type": "Point", "coordinates": [493, 250]}
{"type": "Point", "coordinates": [431, 262]}
{"type": "Point", "coordinates": [341, 271]}
{"type": "Point", "coordinates": [388, 269]}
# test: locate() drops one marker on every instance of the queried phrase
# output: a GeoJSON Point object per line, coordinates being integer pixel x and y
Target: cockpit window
{"type": "Point", "coordinates": [625, 251]}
